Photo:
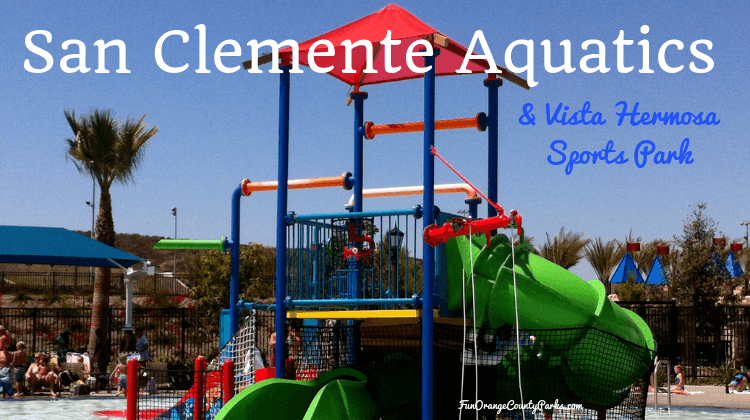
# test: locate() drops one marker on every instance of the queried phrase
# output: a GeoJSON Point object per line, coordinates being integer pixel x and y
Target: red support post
{"type": "Point", "coordinates": [227, 376]}
{"type": "Point", "coordinates": [132, 390]}
{"type": "Point", "coordinates": [200, 372]}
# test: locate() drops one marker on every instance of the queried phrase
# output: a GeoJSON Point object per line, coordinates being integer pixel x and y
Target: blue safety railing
{"type": "Point", "coordinates": [366, 257]}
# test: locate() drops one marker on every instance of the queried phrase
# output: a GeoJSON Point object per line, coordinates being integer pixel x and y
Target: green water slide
{"type": "Point", "coordinates": [598, 348]}
{"type": "Point", "coordinates": [336, 395]}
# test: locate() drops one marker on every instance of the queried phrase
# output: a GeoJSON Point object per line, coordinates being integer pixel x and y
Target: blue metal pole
{"type": "Point", "coordinates": [428, 252]}
{"type": "Point", "coordinates": [473, 207]}
{"type": "Point", "coordinates": [352, 302]}
{"type": "Point", "coordinates": [234, 284]}
{"type": "Point", "coordinates": [283, 180]}
{"type": "Point", "coordinates": [359, 154]}
{"type": "Point", "coordinates": [492, 85]}
{"type": "Point", "coordinates": [355, 280]}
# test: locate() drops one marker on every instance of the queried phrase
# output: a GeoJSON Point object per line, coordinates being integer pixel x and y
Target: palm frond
{"type": "Point", "coordinates": [603, 257]}
{"type": "Point", "coordinates": [565, 249]}
{"type": "Point", "coordinates": [106, 148]}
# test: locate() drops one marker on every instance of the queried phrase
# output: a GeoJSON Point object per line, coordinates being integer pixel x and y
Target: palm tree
{"type": "Point", "coordinates": [109, 150]}
{"type": "Point", "coordinates": [565, 249]}
{"type": "Point", "coordinates": [604, 257]}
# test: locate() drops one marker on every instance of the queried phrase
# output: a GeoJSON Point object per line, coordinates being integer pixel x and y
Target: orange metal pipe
{"type": "Point", "coordinates": [248, 187]}
{"type": "Point", "coordinates": [479, 122]}
{"type": "Point", "coordinates": [415, 190]}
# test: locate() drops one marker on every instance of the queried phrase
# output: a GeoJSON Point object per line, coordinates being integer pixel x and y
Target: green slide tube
{"type": "Point", "coordinates": [337, 395]}
{"type": "Point", "coordinates": [551, 296]}
{"type": "Point", "coordinates": [606, 348]}
{"type": "Point", "coordinates": [191, 244]}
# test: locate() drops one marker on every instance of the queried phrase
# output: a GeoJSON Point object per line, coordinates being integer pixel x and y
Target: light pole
{"type": "Point", "coordinates": [395, 238]}
{"type": "Point", "coordinates": [746, 224]}
{"type": "Point", "coordinates": [92, 204]}
{"type": "Point", "coordinates": [174, 213]}
{"type": "Point", "coordinates": [93, 197]}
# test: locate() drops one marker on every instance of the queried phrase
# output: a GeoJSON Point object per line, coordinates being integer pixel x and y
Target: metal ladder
{"type": "Point", "coordinates": [656, 384]}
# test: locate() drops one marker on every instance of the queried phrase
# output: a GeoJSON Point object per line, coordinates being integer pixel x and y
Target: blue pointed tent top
{"type": "Point", "coordinates": [733, 266]}
{"type": "Point", "coordinates": [657, 274]}
{"type": "Point", "coordinates": [626, 268]}
{"type": "Point", "coordinates": [49, 245]}
{"type": "Point", "coordinates": [721, 266]}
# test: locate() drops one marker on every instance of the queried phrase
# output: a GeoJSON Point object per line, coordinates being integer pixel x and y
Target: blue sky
{"type": "Point", "coordinates": [216, 128]}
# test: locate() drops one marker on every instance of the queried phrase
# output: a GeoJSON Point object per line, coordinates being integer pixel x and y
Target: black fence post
{"type": "Point", "coordinates": [674, 326]}
{"type": "Point", "coordinates": [33, 329]}
{"type": "Point", "coordinates": [182, 328]}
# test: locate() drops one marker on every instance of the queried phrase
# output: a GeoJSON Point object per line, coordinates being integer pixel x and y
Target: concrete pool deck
{"type": "Point", "coordinates": [704, 397]}
{"type": "Point", "coordinates": [710, 397]}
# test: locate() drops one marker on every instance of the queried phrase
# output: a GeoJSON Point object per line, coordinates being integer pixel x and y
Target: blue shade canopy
{"type": "Point", "coordinates": [48, 245]}
{"type": "Point", "coordinates": [733, 266]}
{"type": "Point", "coordinates": [657, 275]}
{"type": "Point", "coordinates": [626, 268]}
{"type": "Point", "coordinates": [721, 266]}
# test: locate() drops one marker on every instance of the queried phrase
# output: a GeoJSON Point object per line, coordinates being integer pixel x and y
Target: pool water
{"type": "Point", "coordinates": [696, 414]}
{"type": "Point", "coordinates": [62, 408]}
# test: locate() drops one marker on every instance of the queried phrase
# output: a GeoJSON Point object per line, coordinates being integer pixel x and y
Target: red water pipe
{"type": "Point", "coordinates": [200, 374]}
{"type": "Point", "coordinates": [353, 237]}
{"type": "Point", "coordinates": [132, 390]}
{"type": "Point", "coordinates": [435, 235]}
{"type": "Point", "coordinates": [227, 376]}
{"type": "Point", "coordinates": [479, 122]}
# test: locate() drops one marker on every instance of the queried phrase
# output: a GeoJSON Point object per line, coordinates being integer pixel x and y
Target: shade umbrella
{"type": "Point", "coordinates": [625, 270]}
{"type": "Point", "coordinates": [657, 275]}
{"type": "Point", "coordinates": [733, 266]}
{"type": "Point", "coordinates": [58, 246]}
{"type": "Point", "coordinates": [404, 27]}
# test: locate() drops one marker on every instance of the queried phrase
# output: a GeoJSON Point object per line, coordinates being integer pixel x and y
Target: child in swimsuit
{"type": "Point", "coordinates": [679, 387]}
{"type": "Point", "coordinates": [121, 374]}
{"type": "Point", "coordinates": [19, 362]}
{"type": "Point", "coordinates": [740, 381]}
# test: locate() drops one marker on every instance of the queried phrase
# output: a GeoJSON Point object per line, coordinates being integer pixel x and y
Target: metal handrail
{"type": "Point", "coordinates": [656, 384]}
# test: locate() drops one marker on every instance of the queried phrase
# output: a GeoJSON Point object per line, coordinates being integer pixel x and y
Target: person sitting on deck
{"type": "Point", "coordinates": [739, 383]}
{"type": "Point", "coordinates": [679, 387]}
{"type": "Point", "coordinates": [6, 381]}
{"type": "Point", "coordinates": [42, 373]}
{"type": "Point", "coordinates": [4, 339]}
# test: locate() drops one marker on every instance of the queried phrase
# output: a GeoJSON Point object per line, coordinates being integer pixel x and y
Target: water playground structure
{"type": "Point", "coordinates": [410, 335]}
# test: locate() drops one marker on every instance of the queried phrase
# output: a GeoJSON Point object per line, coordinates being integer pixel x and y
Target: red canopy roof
{"type": "Point", "coordinates": [374, 28]}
